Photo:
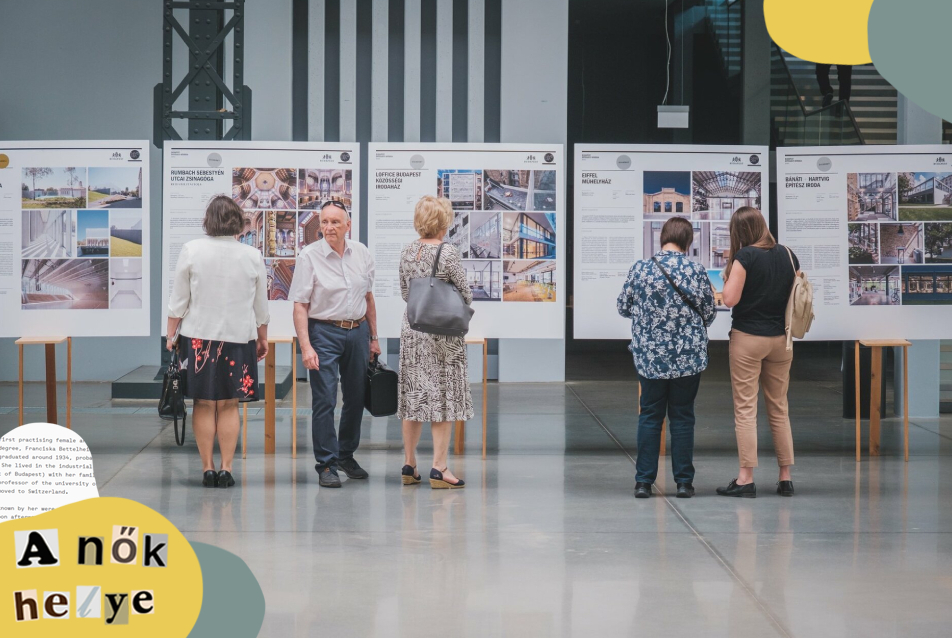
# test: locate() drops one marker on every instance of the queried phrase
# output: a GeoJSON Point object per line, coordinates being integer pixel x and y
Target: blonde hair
{"type": "Point", "coordinates": [432, 215]}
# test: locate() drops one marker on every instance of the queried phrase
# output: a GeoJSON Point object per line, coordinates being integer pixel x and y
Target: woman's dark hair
{"type": "Point", "coordinates": [223, 218]}
{"type": "Point", "coordinates": [748, 228]}
{"type": "Point", "coordinates": [678, 231]}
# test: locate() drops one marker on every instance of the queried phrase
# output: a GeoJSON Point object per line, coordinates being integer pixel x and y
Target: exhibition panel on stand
{"type": "Point", "coordinates": [508, 226]}
{"type": "Point", "coordinates": [872, 227]}
{"type": "Point", "coordinates": [74, 238]}
{"type": "Point", "coordinates": [280, 186]}
{"type": "Point", "coordinates": [623, 196]}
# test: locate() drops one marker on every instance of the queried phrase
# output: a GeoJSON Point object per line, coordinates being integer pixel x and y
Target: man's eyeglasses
{"type": "Point", "coordinates": [334, 203]}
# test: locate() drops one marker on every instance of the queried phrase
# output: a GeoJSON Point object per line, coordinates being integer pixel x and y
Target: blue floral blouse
{"type": "Point", "coordinates": [668, 338]}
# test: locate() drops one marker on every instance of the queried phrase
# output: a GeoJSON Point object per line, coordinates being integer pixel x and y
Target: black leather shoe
{"type": "Point", "coordinates": [225, 479]}
{"type": "Point", "coordinates": [743, 491]}
{"type": "Point", "coordinates": [642, 490]}
{"type": "Point", "coordinates": [210, 478]}
{"type": "Point", "coordinates": [785, 488]}
{"type": "Point", "coordinates": [685, 490]}
{"type": "Point", "coordinates": [327, 477]}
{"type": "Point", "coordinates": [351, 469]}
{"type": "Point", "coordinates": [827, 100]}
{"type": "Point", "coordinates": [409, 475]}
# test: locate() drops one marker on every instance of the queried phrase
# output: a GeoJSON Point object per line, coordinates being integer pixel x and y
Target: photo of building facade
{"type": "Point", "coordinates": [48, 234]}
{"type": "Point", "coordinates": [927, 285]}
{"type": "Point", "coordinates": [272, 188]}
{"type": "Point", "coordinates": [938, 243]}
{"type": "Point", "coordinates": [874, 286]}
{"type": "Point", "coordinates": [528, 280]}
{"type": "Point", "coordinates": [485, 236]}
{"type": "Point", "coordinates": [528, 235]}
{"type": "Point", "coordinates": [484, 277]}
{"type": "Point", "coordinates": [53, 187]}
{"type": "Point", "coordinates": [700, 250]}
{"type": "Point", "coordinates": [519, 190]}
{"type": "Point", "coordinates": [717, 283]}
{"type": "Point", "coordinates": [717, 194]}
{"type": "Point", "coordinates": [901, 244]}
{"type": "Point", "coordinates": [925, 196]}
{"type": "Point", "coordinates": [720, 244]}
{"type": "Point", "coordinates": [125, 284]}
{"type": "Point", "coordinates": [458, 234]}
{"type": "Point", "coordinates": [125, 233]}
{"type": "Point", "coordinates": [871, 197]}
{"type": "Point", "coordinates": [115, 187]}
{"type": "Point", "coordinates": [64, 284]}
{"type": "Point", "coordinates": [319, 185]}
{"type": "Point", "coordinates": [666, 194]}
{"type": "Point", "coordinates": [464, 188]}
{"type": "Point", "coordinates": [863, 243]}
{"type": "Point", "coordinates": [92, 233]}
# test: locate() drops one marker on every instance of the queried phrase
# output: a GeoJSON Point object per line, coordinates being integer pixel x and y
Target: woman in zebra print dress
{"type": "Point", "coordinates": [434, 385]}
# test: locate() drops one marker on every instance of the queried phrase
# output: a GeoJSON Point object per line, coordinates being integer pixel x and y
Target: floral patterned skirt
{"type": "Point", "coordinates": [219, 370]}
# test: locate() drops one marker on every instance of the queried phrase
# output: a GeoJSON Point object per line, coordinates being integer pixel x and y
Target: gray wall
{"type": "Point", "coordinates": [92, 75]}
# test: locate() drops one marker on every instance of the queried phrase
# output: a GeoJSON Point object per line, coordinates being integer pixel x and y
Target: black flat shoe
{"type": "Point", "coordinates": [409, 476]}
{"type": "Point", "coordinates": [210, 478]}
{"type": "Point", "coordinates": [742, 491]}
{"type": "Point", "coordinates": [642, 490]}
{"type": "Point", "coordinates": [225, 479]}
{"type": "Point", "coordinates": [327, 476]}
{"type": "Point", "coordinates": [685, 490]}
{"type": "Point", "coordinates": [351, 469]}
{"type": "Point", "coordinates": [437, 482]}
{"type": "Point", "coordinates": [785, 488]}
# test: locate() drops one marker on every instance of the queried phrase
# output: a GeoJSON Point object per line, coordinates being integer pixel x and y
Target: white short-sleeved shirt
{"type": "Point", "coordinates": [335, 286]}
{"type": "Point", "coordinates": [220, 290]}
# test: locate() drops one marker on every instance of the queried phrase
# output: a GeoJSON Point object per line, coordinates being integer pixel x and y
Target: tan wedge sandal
{"type": "Point", "coordinates": [438, 483]}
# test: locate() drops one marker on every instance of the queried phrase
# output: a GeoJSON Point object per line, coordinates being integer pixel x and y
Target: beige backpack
{"type": "Point", "coordinates": [799, 316]}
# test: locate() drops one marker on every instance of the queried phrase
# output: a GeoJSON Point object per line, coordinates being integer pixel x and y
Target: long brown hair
{"type": "Point", "coordinates": [747, 228]}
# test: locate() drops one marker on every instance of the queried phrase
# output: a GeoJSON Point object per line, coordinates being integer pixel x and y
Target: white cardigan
{"type": "Point", "coordinates": [220, 290]}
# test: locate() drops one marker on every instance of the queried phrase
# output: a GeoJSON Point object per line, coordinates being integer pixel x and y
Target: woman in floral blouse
{"type": "Point", "coordinates": [670, 302]}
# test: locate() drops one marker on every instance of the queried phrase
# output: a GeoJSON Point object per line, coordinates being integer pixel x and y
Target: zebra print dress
{"type": "Point", "coordinates": [434, 384]}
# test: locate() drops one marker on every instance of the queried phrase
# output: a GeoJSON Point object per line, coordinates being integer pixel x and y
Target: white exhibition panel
{"type": "Point", "coordinates": [623, 196]}
{"type": "Point", "coordinates": [872, 228]}
{"type": "Point", "coordinates": [279, 185]}
{"type": "Point", "coordinates": [74, 238]}
{"type": "Point", "coordinates": [509, 228]}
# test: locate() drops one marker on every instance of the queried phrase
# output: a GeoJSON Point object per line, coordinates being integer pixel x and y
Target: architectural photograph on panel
{"type": "Point", "coordinates": [720, 244]}
{"type": "Point", "coordinates": [667, 194]}
{"type": "Point", "coordinates": [280, 272]}
{"type": "Point", "coordinates": [279, 233]}
{"type": "Point", "coordinates": [871, 197]}
{"type": "Point", "coordinates": [464, 188]}
{"type": "Point", "coordinates": [700, 250]}
{"type": "Point", "coordinates": [272, 188]}
{"type": "Point", "coordinates": [925, 196]}
{"type": "Point", "coordinates": [485, 235]}
{"type": "Point", "coordinates": [115, 187]}
{"type": "Point", "coordinates": [125, 284]}
{"type": "Point", "coordinates": [458, 234]}
{"type": "Point", "coordinates": [938, 243]}
{"type": "Point", "coordinates": [863, 243]}
{"type": "Point", "coordinates": [49, 187]}
{"type": "Point", "coordinates": [48, 234]}
{"type": "Point", "coordinates": [92, 233]}
{"type": "Point", "coordinates": [64, 284]}
{"type": "Point", "coordinates": [253, 232]}
{"type": "Point", "coordinates": [316, 186]}
{"type": "Point", "coordinates": [901, 244]}
{"type": "Point", "coordinates": [717, 283]}
{"type": "Point", "coordinates": [528, 235]}
{"type": "Point", "coordinates": [125, 233]}
{"type": "Point", "coordinates": [717, 194]}
{"type": "Point", "coordinates": [927, 285]}
{"type": "Point", "coordinates": [519, 190]}
{"type": "Point", "coordinates": [528, 280]}
{"type": "Point", "coordinates": [874, 286]}
{"type": "Point", "coordinates": [484, 277]}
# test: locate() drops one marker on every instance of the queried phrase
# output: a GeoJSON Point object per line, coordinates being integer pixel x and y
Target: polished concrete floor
{"type": "Point", "coordinates": [546, 539]}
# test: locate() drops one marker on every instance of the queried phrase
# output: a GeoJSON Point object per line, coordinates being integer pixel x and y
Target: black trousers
{"type": "Point", "coordinates": [844, 75]}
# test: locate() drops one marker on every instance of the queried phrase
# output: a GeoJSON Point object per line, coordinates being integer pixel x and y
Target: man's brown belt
{"type": "Point", "coordinates": [346, 324]}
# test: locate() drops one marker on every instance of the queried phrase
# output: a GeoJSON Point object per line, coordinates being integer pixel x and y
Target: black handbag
{"type": "Point", "coordinates": [437, 307]}
{"type": "Point", "coordinates": [172, 401]}
{"type": "Point", "coordinates": [380, 397]}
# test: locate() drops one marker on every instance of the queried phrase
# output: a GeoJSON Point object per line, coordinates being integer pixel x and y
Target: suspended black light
{"type": "Point", "coordinates": [901, 231]}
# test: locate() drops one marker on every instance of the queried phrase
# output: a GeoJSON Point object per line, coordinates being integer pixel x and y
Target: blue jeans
{"type": "Point", "coordinates": [342, 354]}
{"type": "Point", "coordinates": [676, 397]}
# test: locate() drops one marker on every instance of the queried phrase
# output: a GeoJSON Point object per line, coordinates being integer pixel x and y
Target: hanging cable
{"type": "Point", "coordinates": [667, 37]}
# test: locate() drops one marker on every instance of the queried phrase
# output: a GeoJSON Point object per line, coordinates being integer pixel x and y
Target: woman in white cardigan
{"type": "Point", "coordinates": [219, 306]}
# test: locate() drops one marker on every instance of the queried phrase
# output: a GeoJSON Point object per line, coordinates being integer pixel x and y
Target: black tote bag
{"type": "Point", "coordinates": [172, 401]}
{"type": "Point", "coordinates": [380, 398]}
{"type": "Point", "coordinates": [436, 307]}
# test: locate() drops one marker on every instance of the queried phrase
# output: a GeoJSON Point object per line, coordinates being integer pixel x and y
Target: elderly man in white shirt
{"type": "Point", "coordinates": [336, 323]}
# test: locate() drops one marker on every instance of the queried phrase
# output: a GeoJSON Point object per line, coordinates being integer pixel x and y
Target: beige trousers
{"type": "Point", "coordinates": [765, 360]}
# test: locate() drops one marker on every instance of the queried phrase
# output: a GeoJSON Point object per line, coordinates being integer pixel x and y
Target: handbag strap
{"type": "Point", "coordinates": [436, 262]}
{"type": "Point", "coordinates": [792, 265]}
{"type": "Point", "coordinates": [686, 299]}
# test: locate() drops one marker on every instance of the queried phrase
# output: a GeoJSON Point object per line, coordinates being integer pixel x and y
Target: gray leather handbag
{"type": "Point", "coordinates": [436, 307]}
